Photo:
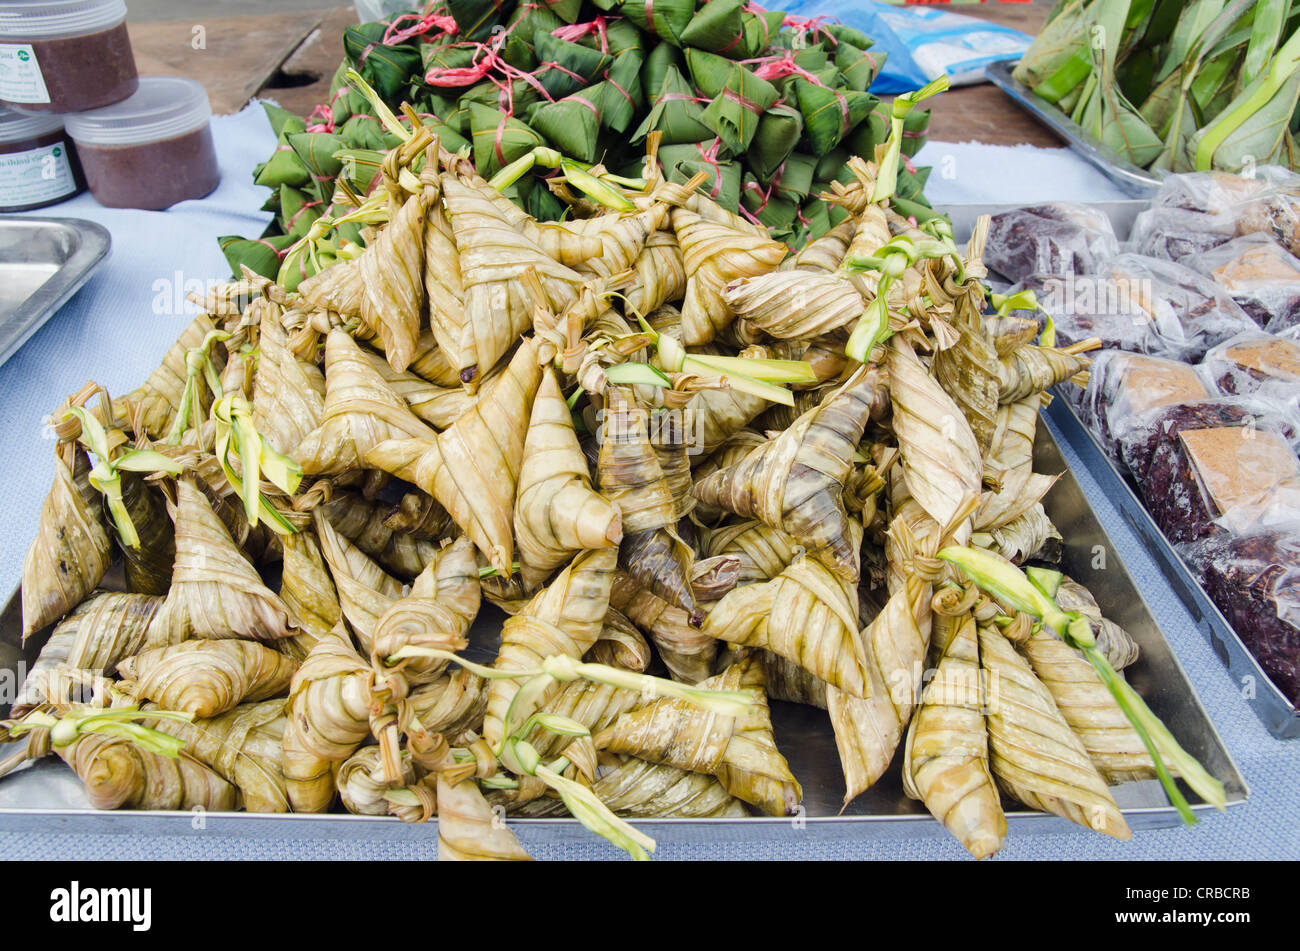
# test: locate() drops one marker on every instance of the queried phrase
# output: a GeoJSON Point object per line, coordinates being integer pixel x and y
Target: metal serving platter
{"type": "Point", "coordinates": [1133, 180]}
{"type": "Point", "coordinates": [43, 262]}
{"type": "Point", "coordinates": [47, 796]}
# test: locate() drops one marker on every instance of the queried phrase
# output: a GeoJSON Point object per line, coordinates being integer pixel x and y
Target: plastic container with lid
{"type": "Point", "coordinates": [64, 55]}
{"type": "Point", "coordinates": [149, 151]}
{"type": "Point", "coordinates": [38, 164]}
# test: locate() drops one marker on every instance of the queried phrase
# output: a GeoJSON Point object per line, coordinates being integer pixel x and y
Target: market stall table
{"type": "Point", "coordinates": [118, 326]}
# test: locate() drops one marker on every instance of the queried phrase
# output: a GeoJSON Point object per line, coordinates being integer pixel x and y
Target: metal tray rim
{"type": "Point", "coordinates": [93, 243]}
{"type": "Point", "coordinates": [1134, 180]}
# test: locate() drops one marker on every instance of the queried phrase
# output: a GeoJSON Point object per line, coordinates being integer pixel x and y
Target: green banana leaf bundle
{"type": "Point", "coordinates": [769, 112]}
{"type": "Point", "coordinates": [1176, 85]}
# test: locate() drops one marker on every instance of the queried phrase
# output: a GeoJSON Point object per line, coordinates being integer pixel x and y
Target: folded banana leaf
{"type": "Point", "coordinates": [830, 114]}
{"type": "Point", "coordinates": [498, 139]}
{"type": "Point", "coordinates": [564, 67]}
{"type": "Point", "coordinates": [778, 133]}
{"type": "Point", "coordinates": [729, 28]}
{"type": "Point", "coordinates": [676, 114]}
{"type": "Point", "coordinates": [737, 106]}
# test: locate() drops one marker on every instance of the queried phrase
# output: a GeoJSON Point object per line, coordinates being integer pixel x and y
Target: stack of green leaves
{"type": "Point", "coordinates": [769, 107]}
{"type": "Point", "coordinates": [1176, 85]}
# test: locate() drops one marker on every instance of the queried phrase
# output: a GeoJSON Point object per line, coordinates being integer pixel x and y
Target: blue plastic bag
{"type": "Point", "coordinates": [921, 43]}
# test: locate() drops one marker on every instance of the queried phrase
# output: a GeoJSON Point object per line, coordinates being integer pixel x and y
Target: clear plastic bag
{"type": "Point", "coordinates": [1125, 387]}
{"type": "Point", "coordinates": [1245, 363]}
{"type": "Point", "coordinates": [1143, 305]}
{"type": "Point", "coordinates": [1224, 464]}
{"type": "Point", "coordinates": [1259, 274]}
{"type": "Point", "coordinates": [1255, 581]}
{"type": "Point", "coordinates": [1198, 211]}
{"type": "Point", "coordinates": [1058, 238]}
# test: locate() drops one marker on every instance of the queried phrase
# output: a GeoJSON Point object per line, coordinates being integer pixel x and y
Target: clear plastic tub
{"type": "Point", "coordinates": [65, 55]}
{"type": "Point", "coordinates": [38, 163]}
{"type": "Point", "coordinates": [149, 151]}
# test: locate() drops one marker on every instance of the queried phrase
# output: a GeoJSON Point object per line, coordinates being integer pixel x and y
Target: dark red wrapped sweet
{"type": "Point", "coordinates": [1247, 362]}
{"type": "Point", "coordinates": [1143, 305]}
{"type": "Point", "coordinates": [1123, 387]}
{"type": "Point", "coordinates": [1058, 238]}
{"type": "Point", "coordinates": [1259, 274]}
{"type": "Point", "coordinates": [1255, 581]}
{"type": "Point", "coordinates": [1212, 465]}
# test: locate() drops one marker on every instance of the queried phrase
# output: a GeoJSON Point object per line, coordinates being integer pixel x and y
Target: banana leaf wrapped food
{"type": "Point", "coordinates": [556, 512]}
{"type": "Point", "coordinates": [364, 789]}
{"type": "Point", "coordinates": [442, 603]}
{"type": "Point", "coordinates": [639, 789]}
{"type": "Point", "coordinates": [468, 829]}
{"type": "Point", "coordinates": [472, 468]}
{"type": "Point", "coordinates": [1034, 754]}
{"type": "Point", "coordinates": [360, 411]}
{"type": "Point", "coordinates": [365, 590]}
{"type": "Point", "coordinates": [715, 254]}
{"type": "Point", "coordinates": [1096, 719]}
{"type": "Point", "coordinates": [794, 482]}
{"type": "Point", "coordinates": [243, 745]}
{"type": "Point", "coordinates": [364, 522]}
{"type": "Point", "coordinates": [207, 678]}
{"type": "Point", "coordinates": [686, 650]}
{"type": "Point", "coordinates": [214, 588]}
{"type": "Point", "coordinates": [632, 478]}
{"type": "Point", "coordinates": [807, 614]}
{"type": "Point", "coordinates": [946, 757]}
{"type": "Point", "coordinates": [565, 617]}
{"type": "Point", "coordinates": [71, 550]}
{"type": "Point", "coordinates": [329, 717]}
{"type": "Point", "coordinates": [100, 632]}
{"type": "Point", "coordinates": [117, 774]}
{"type": "Point", "coordinates": [739, 751]}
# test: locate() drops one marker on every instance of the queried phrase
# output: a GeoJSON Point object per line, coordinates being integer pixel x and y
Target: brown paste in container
{"type": "Point", "coordinates": [152, 175]}
{"type": "Point", "coordinates": [53, 137]}
{"type": "Point", "coordinates": [84, 72]}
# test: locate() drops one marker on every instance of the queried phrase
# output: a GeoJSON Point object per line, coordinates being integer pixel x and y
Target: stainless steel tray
{"type": "Point", "coordinates": [47, 796]}
{"type": "Point", "coordinates": [43, 262]}
{"type": "Point", "coordinates": [1278, 714]}
{"type": "Point", "coordinates": [1133, 180]}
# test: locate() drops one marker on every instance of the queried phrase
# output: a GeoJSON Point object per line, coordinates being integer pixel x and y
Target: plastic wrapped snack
{"type": "Point", "coordinates": [1123, 387]}
{"type": "Point", "coordinates": [1196, 212]}
{"type": "Point", "coordinates": [1259, 274]}
{"type": "Point", "coordinates": [1248, 361]}
{"type": "Point", "coordinates": [1255, 581]}
{"type": "Point", "coordinates": [1143, 305]}
{"type": "Point", "coordinates": [1214, 465]}
{"type": "Point", "coordinates": [1058, 238]}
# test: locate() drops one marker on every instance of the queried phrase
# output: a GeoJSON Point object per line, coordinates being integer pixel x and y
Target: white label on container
{"type": "Point", "coordinates": [35, 176]}
{"type": "Point", "coordinates": [20, 74]}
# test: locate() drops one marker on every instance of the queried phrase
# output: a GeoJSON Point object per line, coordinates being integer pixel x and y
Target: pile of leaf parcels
{"type": "Point", "coordinates": [314, 494]}
{"type": "Point", "coordinates": [769, 106]}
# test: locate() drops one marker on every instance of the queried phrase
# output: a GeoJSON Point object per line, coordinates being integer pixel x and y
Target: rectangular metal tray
{"type": "Point", "coordinates": [1133, 180]}
{"type": "Point", "coordinates": [43, 262]}
{"type": "Point", "coordinates": [1278, 714]}
{"type": "Point", "coordinates": [47, 796]}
